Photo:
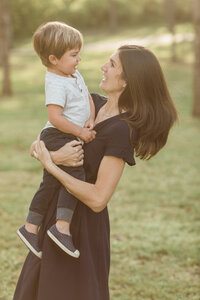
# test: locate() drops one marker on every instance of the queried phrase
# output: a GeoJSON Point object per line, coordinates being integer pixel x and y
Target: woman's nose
{"type": "Point", "coordinates": [103, 68]}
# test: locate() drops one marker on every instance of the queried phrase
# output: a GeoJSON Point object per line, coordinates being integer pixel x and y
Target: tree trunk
{"type": "Point", "coordinates": [196, 18]}
{"type": "Point", "coordinates": [4, 42]}
{"type": "Point", "coordinates": [170, 9]}
{"type": "Point", "coordinates": [112, 15]}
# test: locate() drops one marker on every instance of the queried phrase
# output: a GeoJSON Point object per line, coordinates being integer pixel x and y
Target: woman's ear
{"type": "Point", "coordinates": [53, 59]}
{"type": "Point", "coordinates": [124, 85]}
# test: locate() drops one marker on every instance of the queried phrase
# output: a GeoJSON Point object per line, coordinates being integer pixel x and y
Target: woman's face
{"type": "Point", "coordinates": [112, 82]}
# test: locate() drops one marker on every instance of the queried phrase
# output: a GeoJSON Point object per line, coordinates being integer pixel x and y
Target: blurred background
{"type": "Point", "coordinates": [155, 211]}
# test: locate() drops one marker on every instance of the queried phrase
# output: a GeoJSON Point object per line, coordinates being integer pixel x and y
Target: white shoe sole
{"type": "Point", "coordinates": [38, 254]}
{"type": "Point", "coordinates": [75, 254]}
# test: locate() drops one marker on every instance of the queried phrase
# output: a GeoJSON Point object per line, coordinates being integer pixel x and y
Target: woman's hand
{"type": "Point", "coordinates": [43, 155]}
{"type": "Point", "coordinates": [70, 155]}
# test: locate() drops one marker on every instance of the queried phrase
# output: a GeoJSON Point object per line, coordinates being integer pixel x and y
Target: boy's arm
{"type": "Point", "coordinates": [57, 119]}
{"type": "Point", "coordinates": [92, 108]}
{"type": "Point", "coordinates": [90, 122]}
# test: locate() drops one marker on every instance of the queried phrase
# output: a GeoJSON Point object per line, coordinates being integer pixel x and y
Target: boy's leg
{"type": "Point", "coordinates": [53, 140]}
{"type": "Point", "coordinates": [40, 202]}
{"type": "Point", "coordinates": [66, 201]}
{"type": "Point", "coordinates": [41, 199]}
{"type": "Point", "coordinates": [60, 233]}
{"type": "Point", "coordinates": [38, 208]}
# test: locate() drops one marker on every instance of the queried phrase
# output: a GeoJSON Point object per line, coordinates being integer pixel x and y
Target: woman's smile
{"type": "Point", "coordinates": [103, 77]}
{"type": "Point", "coordinates": [112, 82]}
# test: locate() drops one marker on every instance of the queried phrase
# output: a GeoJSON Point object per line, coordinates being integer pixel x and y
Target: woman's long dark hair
{"type": "Point", "coordinates": [146, 99]}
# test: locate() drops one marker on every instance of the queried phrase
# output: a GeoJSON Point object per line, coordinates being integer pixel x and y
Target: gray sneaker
{"type": "Point", "coordinates": [30, 240]}
{"type": "Point", "coordinates": [64, 241]}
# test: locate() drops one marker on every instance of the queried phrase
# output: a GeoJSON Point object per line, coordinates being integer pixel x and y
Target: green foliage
{"type": "Point", "coordinates": [184, 10]}
{"type": "Point", "coordinates": [87, 14]}
{"type": "Point", "coordinates": [28, 15]}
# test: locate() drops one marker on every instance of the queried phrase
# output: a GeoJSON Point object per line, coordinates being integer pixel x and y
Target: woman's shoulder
{"type": "Point", "coordinates": [98, 100]}
{"type": "Point", "coordinates": [120, 126]}
{"type": "Point", "coordinates": [120, 140]}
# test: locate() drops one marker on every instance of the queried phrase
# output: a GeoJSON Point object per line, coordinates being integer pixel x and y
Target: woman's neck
{"type": "Point", "coordinates": [108, 110]}
{"type": "Point", "coordinates": [111, 106]}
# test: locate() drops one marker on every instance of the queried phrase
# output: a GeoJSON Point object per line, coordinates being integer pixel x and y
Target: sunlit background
{"type": "Point", "coordinates": [155, 211]}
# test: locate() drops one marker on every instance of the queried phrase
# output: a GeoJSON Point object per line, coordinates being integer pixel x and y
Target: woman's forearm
{"type": "Point", "coordinates": [87, 193]}
{"type": "Point", "coordinates": [97, 195]}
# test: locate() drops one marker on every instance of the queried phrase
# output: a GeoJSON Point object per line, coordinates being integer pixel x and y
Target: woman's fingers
{"type": "Point", "coordinates": [42, 145]}
{"type": "Point", "coordinates": [35, 154]}
{"type": "Point", "coordinates": [37, 148]}
{"type": "Point", "coordinates": [79, 155]}
{"type": "Point", "coordinates": [32, 148]}
{"type": "Point", "coordinates": [75, 143]}
{"type": "Point", "coordinates": [69, 155]}
{"type": "Point", "coordinates": [78, 149]}
{"type": "Point", "coordinates": [78, 163]}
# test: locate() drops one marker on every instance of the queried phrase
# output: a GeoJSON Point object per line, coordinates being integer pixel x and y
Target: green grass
{"type": "Point", "coordinates": [155, 211]}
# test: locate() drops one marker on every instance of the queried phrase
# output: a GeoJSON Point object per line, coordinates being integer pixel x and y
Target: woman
{"type": "Point", "coordinates": [137, 115]}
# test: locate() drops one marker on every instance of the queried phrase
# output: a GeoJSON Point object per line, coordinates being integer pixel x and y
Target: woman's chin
{"type": "Point", "coordinates": [102, 86]}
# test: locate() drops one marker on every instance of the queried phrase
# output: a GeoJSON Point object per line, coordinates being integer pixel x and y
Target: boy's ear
{"type": "Point", "coordinates": [53, 59]}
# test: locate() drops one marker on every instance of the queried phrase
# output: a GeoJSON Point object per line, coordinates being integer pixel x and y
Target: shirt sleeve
{"type": "Point", "coordinates": [55, 93]}
{"type": "Point", "coordinates": [119, 143]}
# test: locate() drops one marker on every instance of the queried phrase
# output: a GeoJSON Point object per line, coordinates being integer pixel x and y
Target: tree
{"type": "Point", "coordinates": [196, 18]}
{"type": "Point", "coordinates": [5, 42]}
{"type": "Point", "coordinates": [170, 8]}
{"type": "Point", "coordinates": [112, 15]}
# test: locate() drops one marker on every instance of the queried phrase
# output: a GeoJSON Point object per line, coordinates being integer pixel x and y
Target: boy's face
{"type": "Point", "coordinates": [67, 64]}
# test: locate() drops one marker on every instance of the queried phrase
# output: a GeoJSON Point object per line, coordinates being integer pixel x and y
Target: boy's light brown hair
{"type": "Point", "coordinates": [55, 38]}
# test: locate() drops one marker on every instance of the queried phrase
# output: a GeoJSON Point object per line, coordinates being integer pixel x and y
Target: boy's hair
{"type": "Point", "coordinates": [55, 38]}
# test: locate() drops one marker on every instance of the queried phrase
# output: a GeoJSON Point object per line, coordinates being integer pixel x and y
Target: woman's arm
{"type": "Point", "coordinates": [97, 195]}
{"type": "Point", "coordinates": [70, 155]}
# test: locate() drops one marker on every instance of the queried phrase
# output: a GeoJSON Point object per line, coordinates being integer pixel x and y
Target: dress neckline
{"type": "Point", "coordinates": [118, 115]}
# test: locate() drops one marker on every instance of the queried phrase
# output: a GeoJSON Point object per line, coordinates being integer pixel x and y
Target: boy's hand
{"type": "Point", "coordinates": [87, 135]}
{"type": "Point", "coordinates": [89, 124]}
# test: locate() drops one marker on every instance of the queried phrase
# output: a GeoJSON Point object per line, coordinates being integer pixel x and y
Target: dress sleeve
{"type": "Point", "coordinates": [119, 143]}
{"type": "Point", "coordinates": [99, 101]}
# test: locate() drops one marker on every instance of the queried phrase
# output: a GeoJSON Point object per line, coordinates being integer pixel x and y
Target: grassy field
{"type": "Point", "coordinates": [155, 212]}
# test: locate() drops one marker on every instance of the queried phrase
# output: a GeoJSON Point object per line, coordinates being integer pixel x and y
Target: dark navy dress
{"type": "Point", "coordinates": [58, 276]}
